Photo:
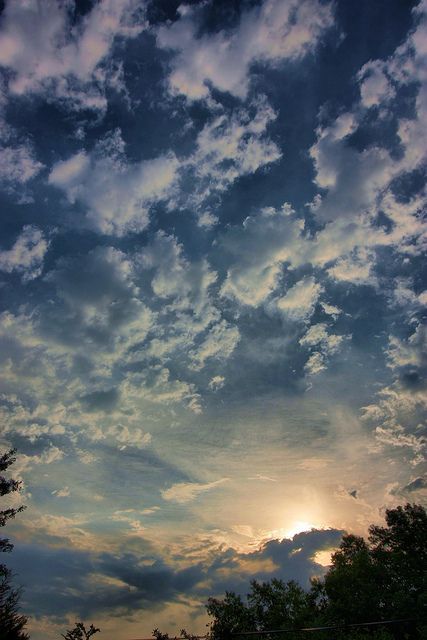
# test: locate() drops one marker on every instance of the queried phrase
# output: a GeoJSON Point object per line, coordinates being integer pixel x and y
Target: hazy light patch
{"type": "Point", "coordinates": [323, 557]}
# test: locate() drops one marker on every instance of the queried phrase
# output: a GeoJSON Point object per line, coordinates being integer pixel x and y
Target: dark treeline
{"type": "Point", "coordinates": [378, 579]}
{"type": "Point", "coordinates": [381, 578]}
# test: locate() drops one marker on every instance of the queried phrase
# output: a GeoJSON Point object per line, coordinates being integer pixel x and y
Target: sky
{"type": "Point", "coordinates": [212, 292]}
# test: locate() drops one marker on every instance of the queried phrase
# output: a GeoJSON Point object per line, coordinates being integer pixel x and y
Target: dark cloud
{"type": "Point", "coordinates": [58, 581]}
{"type": "Point", "coordinates": [414, 485]}
{"type": "Point", "coordinates": [101, 400]}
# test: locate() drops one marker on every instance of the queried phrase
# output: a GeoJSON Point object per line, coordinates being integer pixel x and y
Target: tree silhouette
{"type": "Point", "coordinates": [80, 633]}
{"type": "Point", "coordinates": [382, 578]}
{"type": "Point", "coordinates": [12, 623]}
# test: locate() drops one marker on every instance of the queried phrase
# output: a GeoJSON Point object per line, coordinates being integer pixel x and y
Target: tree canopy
{"type": "Point", "coordinates": [381, 578]}
{"type": "Point", "coordinates": [12, 623]}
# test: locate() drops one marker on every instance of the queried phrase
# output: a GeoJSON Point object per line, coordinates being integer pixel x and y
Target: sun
{"type": "Point", "coordinates": [298, 527]}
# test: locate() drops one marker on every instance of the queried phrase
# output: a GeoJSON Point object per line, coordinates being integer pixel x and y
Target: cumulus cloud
{"type": "Point", "coordinates": [44, 52]}
{"type": "Point", "coordinates": [411, 352]}
{"type": "Point", "coordinates": [157, 385]}
{"type": "Point", "coordinates": [220, 342]}
{"type": "Point", "coordinates": [259, 250]}
{"type": "Point", "coordinates": [352, 179]}
{"type": "Point", "coordinates": [50, 455]}
{"type": "Point", "coordinates": [18, 165]}
{"type": "Point", "coordinates": [269, 34]}
{"type": "Point", "coordinates": [398, 414]}
{"type": "Point", "coordinates": [27, 254]}
{"type": "Point", "coordinates": [355, 268]}
{"type": "Point", "coordinates": [231, 146]}
{"type": "Point", "coordinates": [356, 180]}
{"type": "Point", "coordinates": [216, 383]}
{"type": "Point", "coordinates": [117, 195]}
{"type": "Point", "coordinates": [101, 302]}
{"type": "Point", "coordinates": [322, 344]}
{"type": "Point", "coordinates": [375, 85]}
{"type": "Point", "coordinates": [299, 301]}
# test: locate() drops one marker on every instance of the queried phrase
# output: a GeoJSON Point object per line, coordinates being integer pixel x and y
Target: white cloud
{"type": "Point", "coordinates": [315, 364]}
{"type": "Point", "coordinates": [275, 31]}
{"type": "Point", "coordinates": [410, 352]}
{"type": "Point", "coordinates": [330, 309]}
{"type": "Point", "coordinates": [324, 345]}
{"type": "Point", "coordinates": [358, 181]}
{"type": "Point", "coordinates": [183, 492]}
{"type": "Point", "coordinates": [375, 86]}
{"type": "Point", "coordinates": [48, 456]}
{"type": "Point", "coordinates": [46, 53]}
{"type": "Point", "coordinates": [18, 165]}
{"type": "Point", "coordinates": [62, 493]}
{"type": "Point", "coordinates": [353, 179]}
{"type": "Point", "coordinates": [130, 437]}
{"type": "Point", "coordinates": [231, 146]}
{"type": "Point", "coordinates": [26, 255]}
{"type": "Point", "coordinates": [398, 416]}
{"type": "Point", "coordinates": [216, 383]}
{"type": "Point", "coordinates": [220, 343]}
{"type": "Point", "coordinates": [259, 250]}
{"type": "Point", "coordinates": [117, 195]}
{"type": "Point", "coordinates": [156, 385]}
{"type": "Point", "coordinates": [300, 300]}
{"type": "Point", "coordinates": [356, 268]}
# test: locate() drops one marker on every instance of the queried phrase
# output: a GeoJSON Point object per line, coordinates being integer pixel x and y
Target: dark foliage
{"type": "Point", "coordinates": [12, 623]}
{"type": "Point", "coordinates": [80, 632]}
{"type": "Point", "coordinates": [382, 578]}
{"type": "Point", "coordinates": [184, 635]}
{"type": "Point", "coordinates": [7, 485]}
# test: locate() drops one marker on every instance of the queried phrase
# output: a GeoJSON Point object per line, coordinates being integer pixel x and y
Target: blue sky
{"type": "Point", "coordinates": [213, 290]}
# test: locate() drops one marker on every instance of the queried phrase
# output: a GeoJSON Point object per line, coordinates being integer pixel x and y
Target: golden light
{"type": "Point", "coordinates": [299, 526]}
{"type": "Point", "coordinates": [323, 557]}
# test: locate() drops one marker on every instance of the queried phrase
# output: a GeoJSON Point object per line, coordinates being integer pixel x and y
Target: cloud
{"type": "Point", "coordinates": [220, 343]}
{"type": "Point", "coordinates": [18, 165]}
{"type": "Point", "coordinates": [216, 383]}
{"type": "Point", "coordinates": [375, 85]}
{"type": "Point", "coordinates": [330, 310]}
{"type": "Point", "coordinates": [44, 52]}
{"type": "Point", "coordinates": [277, 30]}
{"type": "Point", "coordinates": [116, 195]}
{"type": "Point", "coordinates": [411, 352]}
{"type": "Point", "coordinates": [398, 414]}
{"type": "Point", "coordinates": [418, 484]}
{"type": "Point", "coordinates": [62, 493]}
{"type": "Point", "coordinates": [101, 304]}
{"type": "Point", "coordinates": [258, 250]}
{"type": "Point", "coordinates": [27, 254]}
{"type": "Point", "coordinates": [356, 268]}
{"type": "Point", "coordinates": [86, 582]}
{"type": "Point", "coordinates": [356, 179]}
{"type": "Point", "coordinates": [299, 301]}
{"type": "Point", "coordinates": [155, 384]}
{"type": "Point", "coordinates": [183, 492]}
{"type": "Point", "coordinates": [231, 146]}
{"type": "Point", "coordinates": [324, 345]}
{"type": "Point", "coordinates": [352, 179]}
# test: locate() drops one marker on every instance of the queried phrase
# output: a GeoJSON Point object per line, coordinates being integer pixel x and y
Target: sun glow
{"type": "Point", "coordinates": [298, 527]}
